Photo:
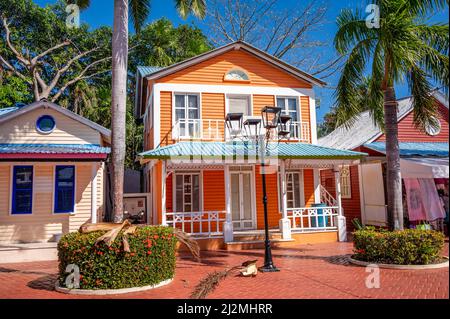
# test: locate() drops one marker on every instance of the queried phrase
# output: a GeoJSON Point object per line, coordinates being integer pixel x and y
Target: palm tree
{"type": "Point", "coordinates": [404, 48]}
{"type": "Point", "coordinates": [139, 10]}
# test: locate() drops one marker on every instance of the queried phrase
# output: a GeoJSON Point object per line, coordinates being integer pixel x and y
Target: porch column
{"type": "Point", "coordinates": [284, 224]}
{"type": "Point", "coordinates": [228, 225]}
{"type": "Point", "coordinates": [340, 220]}
{"type": "Point", "coordinates": [94, 194]}
{"type": "Point", "coordinates": [163, 193]}
{"type": "Point", "coordinates": [316, 173]}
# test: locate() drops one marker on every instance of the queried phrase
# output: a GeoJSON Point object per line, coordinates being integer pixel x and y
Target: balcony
{"type": "Point", "coordinates": [214, 130]}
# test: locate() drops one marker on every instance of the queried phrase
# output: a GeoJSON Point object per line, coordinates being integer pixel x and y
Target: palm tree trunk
{"type": "Point", "coordinates": [394, 182]}
{"type": "Point", "coordinates": [118, 107]}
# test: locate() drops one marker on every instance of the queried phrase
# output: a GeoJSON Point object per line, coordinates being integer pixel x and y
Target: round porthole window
{"type": "Point", "coordinates": [45, 124]}
{"type": "Point", "coordinates": [433, 130]}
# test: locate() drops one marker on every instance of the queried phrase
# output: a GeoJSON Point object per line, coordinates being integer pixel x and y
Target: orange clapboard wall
{"type": "Point", "coordinates": [213, 191]}
{"type": "Point", "coordinates": [306, 117]}
{"type": "Point", "coordinates": [308, 186]}
{"type": "Point", "coordinates": [212, 71]}
{"type": "Point", "coordinates": [272, 199]}
{"type": "Point", "coordinates": [213, 108]}
{"type": "Point", "coordinates": [166, 118]}
{"type": "Point", "coordinates": [259, 101]}
{"type": "Point", "coordinates": [408, 133]}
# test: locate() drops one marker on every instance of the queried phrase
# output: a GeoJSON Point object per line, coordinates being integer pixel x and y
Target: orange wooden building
{"type": "Point", "coordinates": [207, 180]}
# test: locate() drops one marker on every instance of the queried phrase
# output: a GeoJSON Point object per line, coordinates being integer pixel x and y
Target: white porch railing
{"type": "Point", "coordinates": [205, 224]}
{"type": "Point", "coordinates": [326, 197]}
{"type": "Point", "coordinates": [214, 130]}
{"type": "Point", "coordinates": [313, 218]}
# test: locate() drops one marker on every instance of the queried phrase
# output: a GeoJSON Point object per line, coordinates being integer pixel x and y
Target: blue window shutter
{"type": "Point", "coordinates": [22, 195]}
{"type": "Point", "coordinates": [64, 189]}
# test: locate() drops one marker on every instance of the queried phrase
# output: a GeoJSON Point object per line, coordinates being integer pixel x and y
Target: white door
{"type": "Point", "coordinates": [242, 210]}
{"type": "Point", "coordinates": [374, 212]}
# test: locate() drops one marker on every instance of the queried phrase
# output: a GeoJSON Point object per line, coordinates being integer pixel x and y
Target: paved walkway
{"type": "Point", "coordinates": [307, 271]}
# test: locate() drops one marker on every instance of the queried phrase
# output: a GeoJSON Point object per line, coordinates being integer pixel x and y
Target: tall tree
{"type": "Point", "coordinates": [46, 55]}
{"type": "Point", "coordinates": [403, 47]}
{"type": "Point", "coordinates": [139, 11]}
{"type": "Point", "coordinates": [287, 31]}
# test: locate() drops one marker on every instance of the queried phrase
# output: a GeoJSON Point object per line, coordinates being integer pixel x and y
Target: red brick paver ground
{"type": "Point", "coordinates": [307, 271]}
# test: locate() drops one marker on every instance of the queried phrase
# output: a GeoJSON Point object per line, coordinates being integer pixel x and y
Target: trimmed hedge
{"type": "Point", "coordinates": [150, 261]}
{"type": "Point", "coordinates": [406, 247]}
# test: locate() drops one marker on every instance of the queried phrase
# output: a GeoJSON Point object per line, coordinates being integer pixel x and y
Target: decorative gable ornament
{"type": "Point", "coordinates": [236, 75]}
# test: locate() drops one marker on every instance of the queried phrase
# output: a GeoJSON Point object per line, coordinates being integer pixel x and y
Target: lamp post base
{"type": "Point", "coordinates": [268, 268]}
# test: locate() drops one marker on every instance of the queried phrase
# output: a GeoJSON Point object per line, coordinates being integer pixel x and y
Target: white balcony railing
{"type": "Point", "coordinates": [215, 130]}
{"type": "Point", "coordinates": [313, 218]}
{"type": "Point", "coordinates": [204, 224]}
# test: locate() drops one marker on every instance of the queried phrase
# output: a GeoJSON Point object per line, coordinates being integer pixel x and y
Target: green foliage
{"type": "Point", "coordinates": [151, 260]}
{"type": "Point", "coordinates": [404, 49]}
{"type": "Point", "coordinates": [13, 90]}
{"type": "Point", "coordinates": [406, 247]}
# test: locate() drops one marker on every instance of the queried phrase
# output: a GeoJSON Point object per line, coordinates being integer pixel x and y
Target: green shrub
{"type": "Point", "coordinates": [406, 247]}
{"type": "Point", "coordinates": [151, 258]}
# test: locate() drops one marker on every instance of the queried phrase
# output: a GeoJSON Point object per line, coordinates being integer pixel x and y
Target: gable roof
{"type": "Point", "coordinates": [156, 73]}
{"type": "Point", "coordinates": [364, 130]}
{"type": "Point", "coordinates": [12, 112]}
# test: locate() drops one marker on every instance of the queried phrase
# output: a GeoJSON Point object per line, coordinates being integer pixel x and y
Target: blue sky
{"type": "Point", "coordinates": [101, 13]}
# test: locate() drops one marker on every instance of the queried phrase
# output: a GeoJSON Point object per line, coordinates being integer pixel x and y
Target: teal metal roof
{"type": "Point", "coordinates": [53, 149]}
{"type": "Point", "coordinates": [147, 70]}
{"type": "Point", "coordinates": [414, 148]}
{"type": "Point", "coordinates": [243, 150]}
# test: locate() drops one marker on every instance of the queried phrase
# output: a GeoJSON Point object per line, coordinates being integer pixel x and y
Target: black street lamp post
{"type": "Point", "coordinates": [271, 119]}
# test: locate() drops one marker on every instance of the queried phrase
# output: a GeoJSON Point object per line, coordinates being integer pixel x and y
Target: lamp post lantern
{"type": "Point", "coordinates": [271, 118]}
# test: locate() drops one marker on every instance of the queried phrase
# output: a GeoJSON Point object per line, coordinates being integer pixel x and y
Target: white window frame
{"type": "Point", "coordinates": [301, 190]}
{"type": "Point", "coordinates": [346, 182]}
{"type": "Point", "coordinates": [174, 190]}
{"type": "Point", "coordinates": [186, 108]}
{"type": "Point", "coordinates": [286, 108]}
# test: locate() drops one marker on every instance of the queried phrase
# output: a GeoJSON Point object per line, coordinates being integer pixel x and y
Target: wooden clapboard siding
{"type": "Point", "coordinates": [166, 118]}
{"type": "Point", "coordinates": [308, 186]}
{"type": "Point", "coordinates": [213, 108]}
{"type": "Point", "coordinates": [22, 129]}
{"type": "Point", "coordinates": [305, 113]}
{"type": "Point", "coordinates": [352, 205]}
{"type": "Point", "coordinates": [272, 199]}
{"type": "Point", "coordinates": [213, 190]}
{"type": "Point", "coordinates": [43, 224]}
{"type": "Point", "coordinates": [408, 133]}
{"type": "Point", "coordinates": [259, 101]}
{"type": "Point", "coordinates": [212, 71]}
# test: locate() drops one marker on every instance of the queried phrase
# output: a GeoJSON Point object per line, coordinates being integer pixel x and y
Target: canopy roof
{"type": "Point", "coordinates": [408, 149]}
{"type": "Point", "coordinates": [217, 150]}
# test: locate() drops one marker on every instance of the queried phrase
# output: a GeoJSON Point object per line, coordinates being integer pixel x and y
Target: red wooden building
{"type": "Point", "coordinates": [423, 155]}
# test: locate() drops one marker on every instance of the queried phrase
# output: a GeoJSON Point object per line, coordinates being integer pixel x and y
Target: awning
{"type": "Point", "coordinates": [222, 150]}
{"type": "Point", "coordinates": [424, 167]}
{"type": "Point", "coordinates": [53, 151]}
{"type": "Point", "coordinates": [427, 149]}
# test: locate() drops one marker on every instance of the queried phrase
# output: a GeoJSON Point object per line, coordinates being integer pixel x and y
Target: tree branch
{"type": "Point", "coordinates": [19, 56]}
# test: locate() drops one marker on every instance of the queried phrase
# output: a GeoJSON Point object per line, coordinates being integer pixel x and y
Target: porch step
{"type": "Point", "coordinates": [254, 244]}
{"type": "Point", "coordinates": [15, 253]}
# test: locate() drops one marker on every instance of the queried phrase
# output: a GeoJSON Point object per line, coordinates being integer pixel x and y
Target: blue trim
{"type": "Point", "coordinates": [14, 193]}
{"type": "Point", "coordinates": [39, 122]}
{"type": "Point", "coordinates": [56, 209]}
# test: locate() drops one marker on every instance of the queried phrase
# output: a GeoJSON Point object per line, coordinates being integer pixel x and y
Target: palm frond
{"type": "Point", "coordinates": [423, 7]}
{"type": "Point", "coordinates": [425, 110]}
{"type": "Point", "coordinates": [139, 11]}
{"type": "Point", "coordinates": [190, 243]}
{"type": "Point", "coordinates": [198, 8]}
{"type": "Point", "coordinates": [183, 7]}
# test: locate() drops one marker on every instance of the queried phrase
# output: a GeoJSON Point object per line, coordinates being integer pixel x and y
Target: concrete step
{"type": "Point", "coordinates": [15, 253]}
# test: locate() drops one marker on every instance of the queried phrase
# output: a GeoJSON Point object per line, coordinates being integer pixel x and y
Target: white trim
{"type": "Point", "coordinates": [186, 110]}
{"type": "Point", "coordinates": [174, 190]}
{"type": "Point", "coordinates": [312, 118]}
{"type": "Point", "coordinates": [316, 178]}
{"type": "Point", "coordinates": [232, 89]}
{"type": "Point", "coordinates": [156, 117]}
{"type": "Point", "coordinates": [94, 217]}
{"type": "Point", "coordinates": [252, 173]}
{"type": "Point", "coordinates": [286, 108]}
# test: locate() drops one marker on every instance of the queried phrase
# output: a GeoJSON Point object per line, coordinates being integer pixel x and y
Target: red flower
{"type": "Point", "coordinates": [360, 251]}
{"type": "Point", "coordinates": [146, 267]}
{"type": "Point", "coordinates": [149, 252]}
{"type": "Point", "coordinates": [132, 254]}
{"type": "Point", "coordinates": [155, 236]}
